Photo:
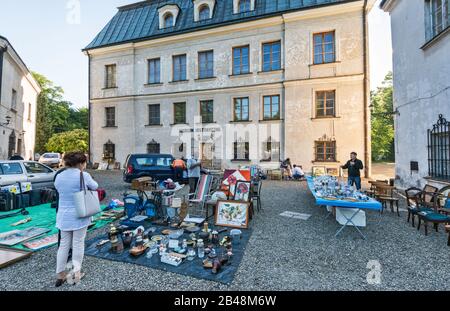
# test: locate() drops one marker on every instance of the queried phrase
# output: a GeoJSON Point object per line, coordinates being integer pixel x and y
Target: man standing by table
{"type": "Point", "coordinates": [194, 169]}
{"type": "Point", "coordinates": [354, 165]}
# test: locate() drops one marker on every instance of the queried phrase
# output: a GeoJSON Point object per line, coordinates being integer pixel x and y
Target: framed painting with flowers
{"type": "Point", "coordinates": [242, 191]}
{"type": "Point", "coordinates": [232, 214]}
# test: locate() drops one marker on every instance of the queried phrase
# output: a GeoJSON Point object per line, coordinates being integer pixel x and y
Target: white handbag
{"type": "Point", "coordinates": [87, 203]}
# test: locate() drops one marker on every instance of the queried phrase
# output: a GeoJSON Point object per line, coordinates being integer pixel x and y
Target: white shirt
{"type": "Point", "coordinates": [67, 183]}
{"type": "Point", "coordinates": [298, 171]}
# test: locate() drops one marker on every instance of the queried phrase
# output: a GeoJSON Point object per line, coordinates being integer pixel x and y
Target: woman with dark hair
{"type": "Point", "coordinates": [73, 229]}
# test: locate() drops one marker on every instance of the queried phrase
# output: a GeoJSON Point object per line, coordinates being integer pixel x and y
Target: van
{"type": "Point", "coordinates": [156, 166]}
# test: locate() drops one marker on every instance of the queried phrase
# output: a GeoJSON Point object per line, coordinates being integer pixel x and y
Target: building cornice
{"type": "Point", "coordinates": [9, 50]}
{"type": "Point", "coordinates": [388, 5]}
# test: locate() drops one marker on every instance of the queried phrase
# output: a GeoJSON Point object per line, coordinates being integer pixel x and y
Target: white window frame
{"type": "Point", "coordinates": [172, 9]}
{"type": "Point", "coordinates": [431, 26]}
{"type": "Point", "coordinates": [236, 6]}
{"type": "Point", "coordinates": [198, 4]}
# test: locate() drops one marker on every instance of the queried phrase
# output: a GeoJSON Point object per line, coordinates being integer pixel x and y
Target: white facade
{"type": "Point", "coordinates": [421, 89]}
{"type": "Point", "coordinates": [296, 84]}
{"type": "Point", "coordinates": [19, 92]}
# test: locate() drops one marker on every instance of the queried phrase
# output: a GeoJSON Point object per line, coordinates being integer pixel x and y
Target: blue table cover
{"type": "Point", "coordinates": [372, 204]}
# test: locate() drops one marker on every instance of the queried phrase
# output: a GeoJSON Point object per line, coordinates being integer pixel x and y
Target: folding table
{"type": "Point", "coordinates": [371, 204]}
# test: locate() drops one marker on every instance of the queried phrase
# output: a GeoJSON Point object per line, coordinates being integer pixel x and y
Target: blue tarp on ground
{"type": "Point", "coordinates": [190, 268]}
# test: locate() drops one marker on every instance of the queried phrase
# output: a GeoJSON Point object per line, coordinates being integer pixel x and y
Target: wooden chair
{"type": "Point", "coordinates": [435, 216]}
{"type": "Point", "coordinates": [373, 186]}
{"type": "Point", "coordinates": [385, 194]}
{"type": "Point", "coordinates": [420, 200]}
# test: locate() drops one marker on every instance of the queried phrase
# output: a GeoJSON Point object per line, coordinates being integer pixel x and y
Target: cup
{"type": "Point", "coordinates": [236, 236]}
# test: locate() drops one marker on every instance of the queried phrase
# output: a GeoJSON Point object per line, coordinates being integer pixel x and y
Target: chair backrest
{"type": "Point", "coordinates": [444, 200]}
{"type": "Point", "coordinates": [385, 190]}
{"type": "Point", "coordinates": [428, 190]}
{"type": "Point", "coordinates": [203, 187]}
{"type": "Point", "coordinates": [412, 196]}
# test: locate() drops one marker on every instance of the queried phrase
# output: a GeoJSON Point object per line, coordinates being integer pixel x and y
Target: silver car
{"type": "Point", "coordinates": [39, 175]}
{"type": "Point", "coordinates": [51, 159]}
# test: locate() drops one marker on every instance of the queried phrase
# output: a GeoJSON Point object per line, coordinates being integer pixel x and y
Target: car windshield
{"type": "Point", "coordinates": [51, 156]}
{"type": "Point", "coordinates": [154, 161]}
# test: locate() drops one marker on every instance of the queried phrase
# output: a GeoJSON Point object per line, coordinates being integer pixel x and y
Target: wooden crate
{"type": "Point", "coordinates": [274, 175]}
{"type": "Point", "coordinates": [143, 184]}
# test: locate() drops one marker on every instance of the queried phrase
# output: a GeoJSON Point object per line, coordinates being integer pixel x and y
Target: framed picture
{"type": "Point", "coordinates": [14, 237]}
{"type": "Point", "coordinates": [318, 170]}
{"type": "Point", "coordinates": [242, 191]}
{"type": "Point", "coordinates": [232, 214]}
{"type": "Point", "coordinates": [8, 256]}
{"type": "Point", "coordinates": [333, 171]}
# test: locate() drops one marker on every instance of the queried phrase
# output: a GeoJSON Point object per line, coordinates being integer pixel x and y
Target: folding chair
{"type": "Point", "coordinates": [201, 195]}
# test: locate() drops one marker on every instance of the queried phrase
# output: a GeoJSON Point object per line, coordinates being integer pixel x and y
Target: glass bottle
{"type": "Point", "coordinates": [184, 245]}
{"type": "Point", "coordinates": [201, 248]}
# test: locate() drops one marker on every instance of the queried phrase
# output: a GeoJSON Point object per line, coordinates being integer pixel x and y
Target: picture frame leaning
{"type": "Point", "coordinates": [234, 214]}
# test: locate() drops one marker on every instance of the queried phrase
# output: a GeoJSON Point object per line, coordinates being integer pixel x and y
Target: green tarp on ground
{"type": "Point", "coordinates": [43, 216]}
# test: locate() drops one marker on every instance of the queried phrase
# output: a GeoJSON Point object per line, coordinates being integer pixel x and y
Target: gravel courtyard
{"type": "Point", "coordinates": [282, 254]}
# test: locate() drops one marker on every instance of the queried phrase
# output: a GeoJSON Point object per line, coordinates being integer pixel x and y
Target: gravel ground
{"type": "Point", "coordinates": [282, 254]}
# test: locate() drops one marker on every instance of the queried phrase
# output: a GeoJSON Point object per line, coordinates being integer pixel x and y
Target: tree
{"type": "Point", "coordinates": [76, 140]}
{"type": "Point", "coordinates": [54, 114]}
{"type": "Point", "coordinates": [383, 148]}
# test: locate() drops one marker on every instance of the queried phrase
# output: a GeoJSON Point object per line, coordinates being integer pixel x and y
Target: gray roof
{"type": "Point", "coordinates": [140, 21]}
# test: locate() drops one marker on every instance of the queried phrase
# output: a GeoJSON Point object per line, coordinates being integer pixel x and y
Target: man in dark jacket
{"type": "Point", "coordinates": [354, 165]}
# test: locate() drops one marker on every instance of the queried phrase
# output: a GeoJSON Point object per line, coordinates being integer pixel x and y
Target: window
{"type": "Point", "coordinates": [110, 76]}
{"type": "Point", "coordinates": [179, 68]}
{"type": "Point", "coordinates": [153, 147]}
{"type": "Point", "coordinates": [110, 116]}
{"type": "Point", "coordinates": [29, 111]}
{"type": "Point", "coordinates": [272, 56]}
{"type": "Point", "coordinates": [241, 63]}
{"type": "Point", "coordinates": [271, 107]}
{"type": "Point", "coordinates": [244, 6]}
{"type": "Point", "coordinates": [324, 51]}
{"type": "Point", "coordinates": [154, 161]}
{"type": "Point", "coordinates": [11, 169]}
{"type": "Point", "coordinates": [271, 150]}
{"type": "Point", "coordinates": [154, 115]}
{"type": "Point", "coordinates": [207, 111]}
{"type": "Point", "coordinates": [439, 16]}
{"type": "Point", "coordinates": [325, 151]}
{"type": "Point", "coordinates": [168, 20]}
{"type": "Point", "coordinates": [325, 104]}
{"type": "Point", "coordinates": [206, 64]}
{"type": "Point", "coordinates": [109, 151]}
{"type": "Point", "coordinates": [36, 168]}
{"type": "Point", "coordinates": [179, 113]}
{"type": "Point", "coordinates": [241, 109]}
{"type": "Point", "coordinates": [439, 150]}
{"type": "Point", "coordinates": [14, 100]}
{"type": "Point", "coordinates": [241, 151]}
{"type": "Point", "coordinates": [154, 71]}
{"type": "Point", "coordinates": [204, 12]}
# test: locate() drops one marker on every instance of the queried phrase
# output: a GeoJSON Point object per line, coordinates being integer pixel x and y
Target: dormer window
{"type": "Point", "coordinates": [203, 9]}
{"type": "Point", "coordinates": [242, 6]}
{"type": "Point", "coordinates": [168, 16]}
{"type": "Point", "coordinates": [204, 12]}
{"type": "Point", "coordinates": [168, 20]}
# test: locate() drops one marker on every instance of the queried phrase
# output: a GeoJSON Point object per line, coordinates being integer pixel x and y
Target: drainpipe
{"type": "Point", "coordinates": [367, 155]}
{"type": "Point", "coordinates": [283, 94]}
{"type": "Point", "coordinates": [2, 51]}
{"type": "Point", "coordinates": [89, 107]}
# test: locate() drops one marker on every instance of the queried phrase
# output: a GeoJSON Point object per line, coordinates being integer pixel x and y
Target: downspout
{"type": "Point", "coordinates": [367, 156]}
{"type": "Point", "coordinates": [89, 108]}
{"type": "Point", "coordinates": [283, 94]}
{"type": "Point", "coordinates": [2, 51]}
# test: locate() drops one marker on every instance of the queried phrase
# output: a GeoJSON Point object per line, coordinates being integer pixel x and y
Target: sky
{"type": "Point", "coordinates": [50, 34]}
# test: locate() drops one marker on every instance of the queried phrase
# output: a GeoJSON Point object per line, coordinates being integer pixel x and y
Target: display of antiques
{"type": "Point", "coordinates": [332, 188]}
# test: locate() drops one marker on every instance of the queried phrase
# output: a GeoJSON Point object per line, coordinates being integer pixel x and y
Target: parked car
{"type": "Point", "coordinates": [156, 166]}
{"type": "Point", "coordinates": [51, 159]}
{"type": "Point", "coordinates": [39, 175]}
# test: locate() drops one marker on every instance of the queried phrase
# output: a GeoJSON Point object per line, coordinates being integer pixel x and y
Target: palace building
{"type": "Point", "coordinates": [236, 82]}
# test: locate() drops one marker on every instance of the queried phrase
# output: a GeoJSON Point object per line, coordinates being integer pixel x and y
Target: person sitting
{"type": "Point", "coordinates": [286, 169]}
{"type": "Point", "coordinates": [297, 172]}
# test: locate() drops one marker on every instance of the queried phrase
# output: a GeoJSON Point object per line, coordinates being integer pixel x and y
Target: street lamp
{"type": "Point", "coordinates": [8, 121]}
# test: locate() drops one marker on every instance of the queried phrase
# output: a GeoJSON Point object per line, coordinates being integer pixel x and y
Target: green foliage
{"type": "Point", "coordinates": [54, 114]}
{"type": "Point", "coordinates": [383, 148]}
{"type": "Point", "coordinates": [75, 140]}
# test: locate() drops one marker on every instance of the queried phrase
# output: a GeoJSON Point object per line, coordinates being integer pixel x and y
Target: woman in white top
{"type": "Point", "coordinates": [73, 229]}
